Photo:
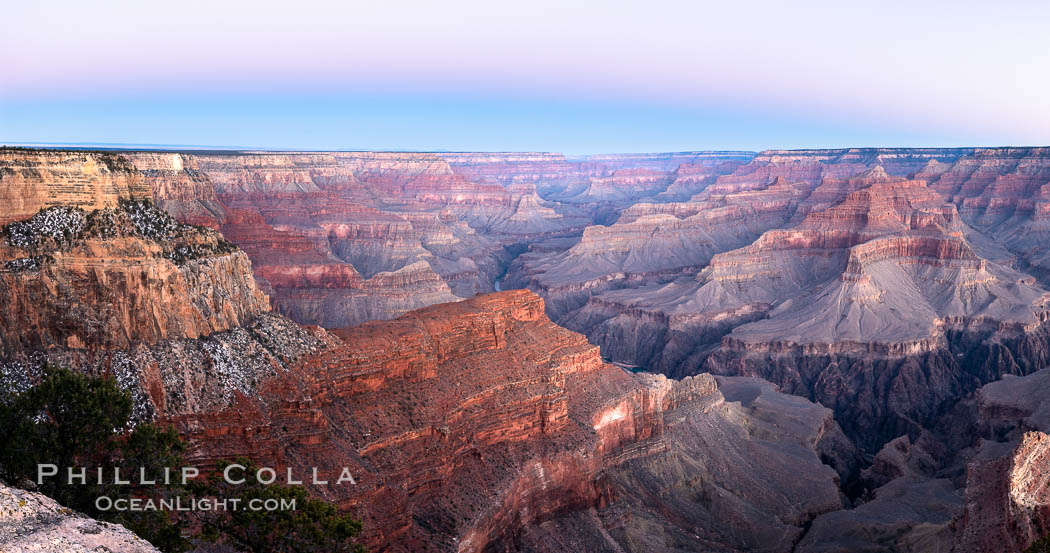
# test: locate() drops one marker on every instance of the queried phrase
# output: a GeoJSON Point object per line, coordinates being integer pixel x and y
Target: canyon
{"type": "Point", "coordinates": [340, 238]}
{"type": "Point", "coordinates": [809, 350]}
{"type": "Point", "coordinates": [467, 424]}
{"type": "Point", "coordinates": [880, 278]}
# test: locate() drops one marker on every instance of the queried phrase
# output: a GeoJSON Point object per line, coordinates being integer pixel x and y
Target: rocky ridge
{"type": "Point", "coordinates": [171, 310]}
{"type": "Point", "coordinates": [976, 482]}
{"type": "Point", "coordinates": [865, 269]}
{"type": "Point", "coordinates": [33, 523]}
{"type": "Point", "coordinates": [481, 425]}
{"type": "Point", "coordinates": [38, 179]}
{"type": "Point", "coordinates": [467, 424]}
{"type": "Point", "coordinates": [108, 278]}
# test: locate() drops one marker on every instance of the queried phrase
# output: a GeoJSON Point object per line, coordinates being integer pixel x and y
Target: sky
{"type": "Point", "coordinates": [568, 76]}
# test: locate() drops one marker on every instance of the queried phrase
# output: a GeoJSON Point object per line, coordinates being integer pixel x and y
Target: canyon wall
{"type": "Point", "coordinates": [339, 238]}
{"type": "Point", "coordinates": [782, 259]}
{"type": "Point", "coordinates": [482, 426]}
{"type": "Point", "coordinates": [851, 277]}
{"type": "Point", "coordinates": [99, 269]}
{"type": "Point", "coordinates": [36, 179]}
{"type": "Point", "coordinates": [888, 285]}
{"type": "Point", "coordinates": [105, 282]}
{"type": "Point", "coordinates": [976, 481]}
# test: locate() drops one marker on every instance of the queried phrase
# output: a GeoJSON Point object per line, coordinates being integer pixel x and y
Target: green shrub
{"type": "Point", "coordinates": [1040, 546]}
{"type": "Point", "coordinates": [53, 227]}
{"type": "Point", "coordinates": [314, 526]}
{"type": "Point", "coordinates": [150, 221]}
{"type": "Point", "coordinates": [72, 420]}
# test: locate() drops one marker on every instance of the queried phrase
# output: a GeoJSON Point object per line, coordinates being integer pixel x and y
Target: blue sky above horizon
{"type": "Point", "coordinates": [574, 77]}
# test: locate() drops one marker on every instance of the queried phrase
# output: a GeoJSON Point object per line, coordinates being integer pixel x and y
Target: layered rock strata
{"type": "Point", "coordinates": [466, 425]}
{"type": "Point", "coordinates": [419, 217]}
{"type": "Point", "coordinates": [1008, 474]}
{"type": "Point", "coordinates": [1004, 193]}
{"type": "Point", "coordinates": [653, 243]}
{"type": "Point", "coordinates": [558, 177]}
{"type": "Point", "coordinates": [180, 187]}
{"type": "Point", "coordinates": [482, 426]}
{"type": "Point", "coordinates": [109, 278]}
{"type": "Point", "coordinates": [881, 283]}
{"type": "Point", "coordinates": [393, 232]}
{"type": "Point", "coordinates": [977, 481]}
{"type": "Point", "coordinates": [31, 180]}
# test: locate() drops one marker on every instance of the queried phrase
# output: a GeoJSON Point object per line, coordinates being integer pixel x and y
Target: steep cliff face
{"type": "Point", "coordinates": [31, 180]}
{"type": "Point", "coordinates": [1008, 474]}
{"type": "Point", "coordinates": [897, 161]}
{"type": "Point", "coordinates": [325, 255]}
{"type": "Point", "coordinates": [448, 216]}
{"type": "Point", "coordinates": [1005, 193]}
{"type": "Point", "coordinates": [920, 307]}
{"type": "Point", "coordinates": [547, 171]}
{"type": "Point", "coordinates": [734, 204]}
{"type": "Point", "coordinates": [182, 376]}
{"type": "Point", "coordinates": [180, 187]}
{"type": "Point", "coordinates": [653, 243]}
{"type": "Point", "coordinates": [467, 424]}
{"type": "Point", "coordinates": [844, 307]}
{"type": "Point", "coordinates": [557, 177]}
{"type": "Point", "coordinates": [1007, 496]}
{"type": "Point", "coordinates": [277, 174]}
{"type": "Point", "coordinates": [172, 310]}
{"type": "Point", "coordinates": [109, 278]}
{"type": "Point", "coordinates": [381, 233]}
{"type": "Point", "coordinates": [483, 426]}
{"type": "Point", "coordinates": [691, 178]}
{"type": "Point", "coordinates": [732, 458]}
{"type": "Point", "coordinates": [977, 481]}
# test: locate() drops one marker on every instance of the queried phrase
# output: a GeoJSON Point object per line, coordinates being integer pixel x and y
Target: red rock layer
{"type": "Point", "coordinates": [655, 242]}
{"type": "Point", "coordinates": [510, 169]}
{"type": "Point", "coordinates": [443, 416]}
{"type": "Point", "coordinates": [464, 424]}
{"type": "Point", "coordinates": [1007, 472]}
{"type": "Point", "coordinates": [885, 274]}
{"type": "Point", "coordinates": [112, 294]}
{"type": "Point", "coordinates": [375, 212]}
{"type": "Point", "coordinates": [116, 286]}
{"type": "Point", "coordinates": [1008, 498]}
{"type": "Point", "coordinates": [691, 178]}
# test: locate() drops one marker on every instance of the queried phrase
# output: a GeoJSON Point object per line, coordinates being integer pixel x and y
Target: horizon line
{"type": "Point", "coordinates": [186, 148]}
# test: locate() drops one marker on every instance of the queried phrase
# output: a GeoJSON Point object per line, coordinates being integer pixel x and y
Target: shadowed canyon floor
{"type": "Point", "coordinates": [841, 326]}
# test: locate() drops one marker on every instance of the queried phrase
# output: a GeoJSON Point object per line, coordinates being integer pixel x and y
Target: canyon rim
{"type": "Point", "coordinates": [819, 350]}
{"type": "Point", "coordinates": [483, 277]}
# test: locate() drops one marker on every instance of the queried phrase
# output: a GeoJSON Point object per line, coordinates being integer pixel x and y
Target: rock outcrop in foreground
{"type": "Point", "coordinates": [120, 287]}
{"type": "Point", "coordinates": [33, 523]}
{"type": "Point", "coordinates": [978, 482]}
